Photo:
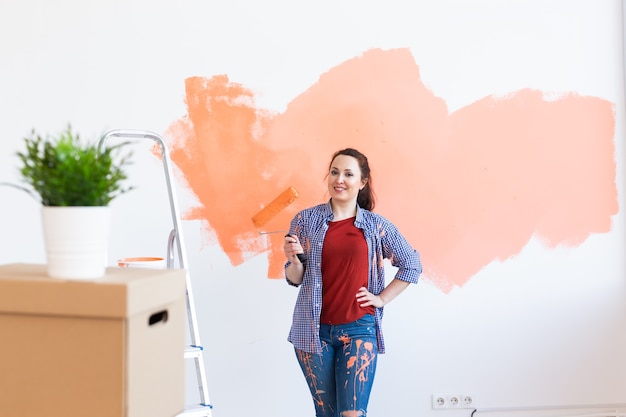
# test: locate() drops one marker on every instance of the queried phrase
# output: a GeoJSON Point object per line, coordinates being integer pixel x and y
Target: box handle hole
{"type": "Point", "coordinates": [161, 316]}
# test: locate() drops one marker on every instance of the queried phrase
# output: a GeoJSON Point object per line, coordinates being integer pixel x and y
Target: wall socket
{"type": "Point", "coordinates": [451, 401]}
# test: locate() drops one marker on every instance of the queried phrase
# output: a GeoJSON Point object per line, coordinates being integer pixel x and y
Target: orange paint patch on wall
{"type": "Point", "coordinates": [466, 188]}
{"type": "Point", "coordinates": [226, 166]}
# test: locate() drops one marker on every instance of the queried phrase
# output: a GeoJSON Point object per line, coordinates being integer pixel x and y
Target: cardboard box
{"type": "Point", "coordinates": [109, 347]}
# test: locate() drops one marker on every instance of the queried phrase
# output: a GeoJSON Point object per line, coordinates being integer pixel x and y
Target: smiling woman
{"type": "Point", "coordinates": [337, 321]}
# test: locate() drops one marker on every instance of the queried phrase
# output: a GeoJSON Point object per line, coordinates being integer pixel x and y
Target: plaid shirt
{"type": "Point", "coordinates": [384, 241]}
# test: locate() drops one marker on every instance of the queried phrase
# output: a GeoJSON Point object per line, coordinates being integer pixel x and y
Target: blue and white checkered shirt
{"type": "Point", "coordinates": [384, 241]}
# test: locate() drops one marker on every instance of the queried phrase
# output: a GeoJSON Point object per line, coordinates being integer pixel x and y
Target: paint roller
{"type": "Point", "coordinates": [272, 209]}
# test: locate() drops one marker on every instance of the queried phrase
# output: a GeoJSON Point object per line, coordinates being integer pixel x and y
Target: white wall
{"type": "Point", "coordinates": [546, 328]}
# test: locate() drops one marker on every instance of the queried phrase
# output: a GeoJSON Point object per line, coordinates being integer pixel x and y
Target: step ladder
{"type": "Point", "coordinates": [175, 243]}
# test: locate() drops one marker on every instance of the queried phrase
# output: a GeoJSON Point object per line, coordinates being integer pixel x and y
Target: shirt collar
{"type": "Point", "coordinates": [328, 214]}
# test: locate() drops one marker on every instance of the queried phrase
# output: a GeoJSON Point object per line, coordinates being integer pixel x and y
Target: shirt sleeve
{"type": "Point", "coordinates": [293, 228]}
{"type": "Point", "coordinates": [401, 254]}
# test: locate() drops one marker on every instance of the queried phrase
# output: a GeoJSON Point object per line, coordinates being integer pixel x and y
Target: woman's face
{"type": "Point", "coordinates": [344, 179]}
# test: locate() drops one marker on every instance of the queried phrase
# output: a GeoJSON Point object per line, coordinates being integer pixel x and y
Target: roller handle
{"type": "Point", "coordinates": [300, 256]}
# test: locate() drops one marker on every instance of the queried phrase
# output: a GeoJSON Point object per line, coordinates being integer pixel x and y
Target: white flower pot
{"type": "Point", "coordinates": [76, 241]}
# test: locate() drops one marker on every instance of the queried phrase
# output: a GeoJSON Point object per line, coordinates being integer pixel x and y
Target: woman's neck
{"type": "Point", "coordinates": [342, 211]}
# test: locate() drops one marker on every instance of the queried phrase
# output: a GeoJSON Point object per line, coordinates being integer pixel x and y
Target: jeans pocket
{"type": "Point", "coordinates": [363, 330]}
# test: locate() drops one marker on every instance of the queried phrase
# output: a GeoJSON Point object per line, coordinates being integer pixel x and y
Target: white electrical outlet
{"type": "Point", "coordinates": [439, 401]}
{"type": "Point", "coordinates": [451, 401]}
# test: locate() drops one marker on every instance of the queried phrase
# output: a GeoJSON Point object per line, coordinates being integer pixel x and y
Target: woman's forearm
{"type": "Point", "coordinates": [391, 291]}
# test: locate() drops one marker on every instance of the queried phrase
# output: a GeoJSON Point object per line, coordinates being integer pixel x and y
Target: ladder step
{"type": "Point", "coordinates": [197, 410]}
{"type": "Point", "coordinates": [193, 351]}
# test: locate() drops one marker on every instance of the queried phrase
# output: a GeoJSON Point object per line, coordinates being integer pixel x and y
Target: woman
{"type": "Point", "coordinates": [336, 329]}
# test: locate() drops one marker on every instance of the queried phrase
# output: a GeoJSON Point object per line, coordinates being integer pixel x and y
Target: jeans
{"type": "Point", "coordinates": [341, 377]}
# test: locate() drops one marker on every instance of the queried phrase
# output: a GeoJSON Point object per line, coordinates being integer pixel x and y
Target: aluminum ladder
{"type": "Point", "coordinates": [194, 349]}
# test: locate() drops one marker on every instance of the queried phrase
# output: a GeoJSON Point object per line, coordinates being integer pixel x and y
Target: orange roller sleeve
{"type": "Point", "coordinates": [272, 209]}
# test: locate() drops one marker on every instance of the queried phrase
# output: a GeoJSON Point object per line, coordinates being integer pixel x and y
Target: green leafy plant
{"type": "Point", "coordinates": [65, 171]}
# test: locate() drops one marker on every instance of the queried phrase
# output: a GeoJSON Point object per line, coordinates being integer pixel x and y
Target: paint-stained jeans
{"type": "Point", "coordinates": [341, 377]}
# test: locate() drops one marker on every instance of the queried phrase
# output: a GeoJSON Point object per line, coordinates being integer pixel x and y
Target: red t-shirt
{"type": "Point", "coordinates": [344, 271]}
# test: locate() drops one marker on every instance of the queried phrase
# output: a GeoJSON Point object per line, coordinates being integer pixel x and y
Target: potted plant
{"type": "Point", "coordinates": [75, 181]}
